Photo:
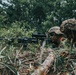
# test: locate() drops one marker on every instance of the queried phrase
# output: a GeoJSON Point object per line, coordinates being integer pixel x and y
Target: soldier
{"type": "Point", "coordinates": [68, 27]}
{"type": "Point", "coordinates": [56, 36]}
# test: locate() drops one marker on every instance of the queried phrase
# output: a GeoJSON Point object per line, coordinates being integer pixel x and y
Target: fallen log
{"type": "Point", "coordinates": [43, 68]}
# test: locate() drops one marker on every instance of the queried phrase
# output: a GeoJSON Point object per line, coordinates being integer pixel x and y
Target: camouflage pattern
{"type": "Point", "coordinates": [68, 24]}
{"type": "Point", "coordinates": [68, 27]}
{"type": "Point", "coordinates": [55, 35]}
{"type": "Point", "coordinates": [55, 29]}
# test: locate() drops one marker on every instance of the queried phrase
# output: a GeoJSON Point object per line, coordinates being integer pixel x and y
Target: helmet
{"type": "Point", "coordinates": [69, 24]}
{"type": "Point", "coordinates": [55, 29]}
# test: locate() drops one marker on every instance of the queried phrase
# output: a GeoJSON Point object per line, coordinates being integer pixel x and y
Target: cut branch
{"type": "Point", "coordinates": [43, 69]}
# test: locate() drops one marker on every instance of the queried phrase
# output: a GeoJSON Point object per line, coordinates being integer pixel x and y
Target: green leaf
{"type": "Point", "coordinates": [10, 67]}
{"type": "Point", "coordinates": [1, 56]}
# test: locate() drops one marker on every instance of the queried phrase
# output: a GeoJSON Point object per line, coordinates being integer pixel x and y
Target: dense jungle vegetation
{"type": "Point", "coordinates": [21, 18]}
{"type": "Point", "coordinates": [38, 15]}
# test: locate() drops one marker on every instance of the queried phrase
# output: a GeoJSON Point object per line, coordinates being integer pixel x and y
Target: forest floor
{"type": "Point", "coordinates": [31, 61]}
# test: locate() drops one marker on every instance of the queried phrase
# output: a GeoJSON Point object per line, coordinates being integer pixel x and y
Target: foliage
{"type": "Point", "coordinates": [16, 30]}
{"type": "Point", "coordinates": [65, 60]}
{"type": "Point", "coordinates": [21, 18]}
{"type": "Point", "coordinates": [36, 12]}
{"type": "Point", "coordinates": [6, 65]}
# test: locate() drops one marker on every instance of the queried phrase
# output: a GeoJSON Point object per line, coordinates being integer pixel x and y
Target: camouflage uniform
{"type": "Point", "coordinates": [55, 36]}
{"type": "Point", "coordinates": [68, 27]}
